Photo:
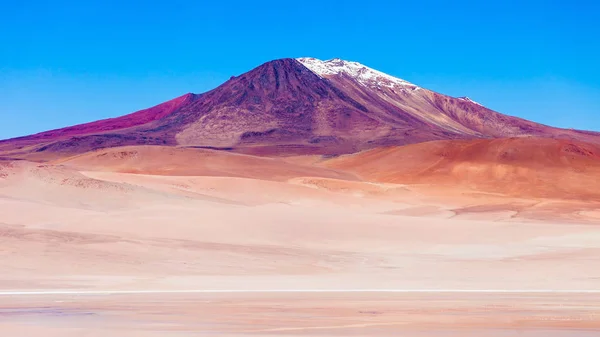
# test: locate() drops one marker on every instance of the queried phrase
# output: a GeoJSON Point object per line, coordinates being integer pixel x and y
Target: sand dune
{"type": "Point", "coordinates": [69, 229]}
{"type": "Point", "coordinates": [526, 167]}
{"type": "Point", "coordinates": [162, 160]}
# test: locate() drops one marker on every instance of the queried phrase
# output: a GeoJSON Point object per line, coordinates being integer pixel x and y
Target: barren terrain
{"type": "Point", "coordinates": [455, 259]}
{"type": "Point", "coordinates": [303, 314]}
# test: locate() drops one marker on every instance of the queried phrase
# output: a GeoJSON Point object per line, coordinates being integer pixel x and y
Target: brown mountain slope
{"type": "Point", "coordinates": [528, 166]}
{"type": "Point", "coordinates": [396, 100]}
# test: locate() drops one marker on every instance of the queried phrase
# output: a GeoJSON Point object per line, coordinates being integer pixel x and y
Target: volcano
{"type": "Point", "coordinates": [290, 107]}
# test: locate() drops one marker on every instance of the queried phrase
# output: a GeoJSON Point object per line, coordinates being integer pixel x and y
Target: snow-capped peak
{"type": "Point", "coordinates": [363, 74]}
{"type": "Point", "coordinates": [467, 99]}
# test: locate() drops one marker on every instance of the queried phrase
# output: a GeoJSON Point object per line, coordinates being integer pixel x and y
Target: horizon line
{"type": "Point", "coordinates": [215, 291]}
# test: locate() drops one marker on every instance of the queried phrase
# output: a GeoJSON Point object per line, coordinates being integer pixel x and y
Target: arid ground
{"type": "Point", "coordinates": [298, 246]}
{"type": "Point", "coordinates": [303, 314]}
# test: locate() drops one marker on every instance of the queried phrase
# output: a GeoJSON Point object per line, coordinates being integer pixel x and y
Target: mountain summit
{"type": "Point", "coordinates": [362, 74]}
{"type": "Point", "coordinates": [294, 106]}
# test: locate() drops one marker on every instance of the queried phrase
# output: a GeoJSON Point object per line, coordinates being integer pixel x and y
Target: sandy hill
{"type": "Point", "coordinates": [526, 166]}
{"type": "Point", "coordinates": [164, 160]}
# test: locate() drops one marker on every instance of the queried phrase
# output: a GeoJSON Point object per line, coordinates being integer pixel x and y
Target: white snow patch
{"type": "Point", "coordinates": [363, 74]}
{"type": "Point", "coordinates": [467, 99]}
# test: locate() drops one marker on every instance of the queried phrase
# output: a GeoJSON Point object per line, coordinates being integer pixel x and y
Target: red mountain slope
{"type": "Point", "coordinates": [109, 127]}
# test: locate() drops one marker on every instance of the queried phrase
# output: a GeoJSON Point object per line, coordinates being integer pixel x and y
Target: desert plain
{"type": "Point", "coordinates": [163, 241]}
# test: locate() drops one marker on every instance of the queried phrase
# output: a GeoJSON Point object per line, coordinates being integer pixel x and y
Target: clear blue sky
{"type": "Point", "coordinates": [63, 63]}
